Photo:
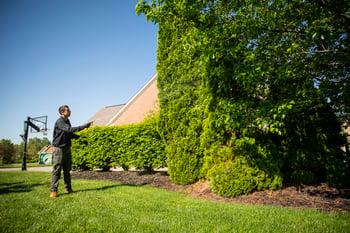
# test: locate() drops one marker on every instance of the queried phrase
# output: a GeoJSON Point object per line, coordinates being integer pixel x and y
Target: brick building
{"type": "Point", "coordinates": [140, 106]}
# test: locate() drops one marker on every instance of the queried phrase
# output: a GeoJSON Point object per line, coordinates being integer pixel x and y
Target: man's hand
{"type": "Point", "coordinates": [87, 125]}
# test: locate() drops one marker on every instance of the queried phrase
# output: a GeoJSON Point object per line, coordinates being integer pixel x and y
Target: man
{"type": "Point", "coordinates": [62, 157]}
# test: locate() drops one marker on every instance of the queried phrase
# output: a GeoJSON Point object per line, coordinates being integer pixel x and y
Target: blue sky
{"type": "Point", "coordinates": [87, 54]}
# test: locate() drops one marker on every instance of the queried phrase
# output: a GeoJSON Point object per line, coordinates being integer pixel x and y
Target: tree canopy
{"type": "Point", "coordinates": [7, 151]}
{"type": "Point", "coordinates": [265, 83]}
{"type": "Point", "coordinates": [11, 152]}
{"type": "Point", "coordinates": [35, 145]}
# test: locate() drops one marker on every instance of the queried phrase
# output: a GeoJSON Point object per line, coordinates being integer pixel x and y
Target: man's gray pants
{"type": "Point", "coordinates": [62, 160]}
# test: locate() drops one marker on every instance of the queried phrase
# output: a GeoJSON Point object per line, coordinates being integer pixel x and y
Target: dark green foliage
{"type": "Point", "coordinates": [137, 145]}
{"type": "Point", "coordinates": [252, 92]}
{"type": "Point", "coordinates": [7, 151]}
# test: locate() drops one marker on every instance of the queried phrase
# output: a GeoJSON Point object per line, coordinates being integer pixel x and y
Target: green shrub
{"type": "Point", "coordinates": [80, 151]}
{"type": "Point", "coordinates": [232, 175]}
{"type": "Point", "coordinates": [137, 145]}
{"type": "Point", "coordinates": [182, 162]}
{"type": "Point", "coordinates": [148, 148]}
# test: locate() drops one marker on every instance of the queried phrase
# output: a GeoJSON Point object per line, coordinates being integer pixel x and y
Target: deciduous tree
{"type": "Point", "coordinates": [7, 151]}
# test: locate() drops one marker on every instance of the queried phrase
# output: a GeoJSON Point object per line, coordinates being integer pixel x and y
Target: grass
{"type": "Point", "coordinates": [19, 165]}
{"type": "Point", "coordinates": [102, 206]}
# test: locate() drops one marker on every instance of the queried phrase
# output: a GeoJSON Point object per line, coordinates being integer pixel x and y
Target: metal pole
{"type": "Point", "coordinates": [25, 139]}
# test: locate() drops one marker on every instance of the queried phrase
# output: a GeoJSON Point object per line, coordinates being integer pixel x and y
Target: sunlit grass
{"type": "Point", "coordinates": [19, 165]}
{"type": "Point", "coordinates": [102, 206]}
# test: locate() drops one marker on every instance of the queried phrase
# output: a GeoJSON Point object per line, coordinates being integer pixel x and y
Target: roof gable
{"type": "Point", "coordinates": [46, 149]}
{"type": "Point", "coordinates": [104, 115]}
{"type": "Point", "coordinates": [139, 106]}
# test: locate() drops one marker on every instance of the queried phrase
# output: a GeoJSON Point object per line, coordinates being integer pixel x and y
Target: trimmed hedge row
{"type": "Point", "coordinates": [138, 145]}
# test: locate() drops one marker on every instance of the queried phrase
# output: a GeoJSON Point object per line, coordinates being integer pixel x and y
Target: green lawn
{"type": "Point", "coordinates": [19, 165]}
{"type": "Point", "coordinates": [101, 206]}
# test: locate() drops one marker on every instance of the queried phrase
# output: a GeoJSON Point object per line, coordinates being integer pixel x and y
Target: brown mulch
{"type": "Point", "coordinates": [320, 197]}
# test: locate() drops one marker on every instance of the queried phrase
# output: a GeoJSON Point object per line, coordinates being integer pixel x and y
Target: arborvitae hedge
{"type": "Point", "coordinates": [137, 145]}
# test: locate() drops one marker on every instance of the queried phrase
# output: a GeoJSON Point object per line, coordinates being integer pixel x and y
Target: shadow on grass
{"type": "Point", "coordinates": [104, 188]}
{"type": "Point", "coordinates": [18, 187]}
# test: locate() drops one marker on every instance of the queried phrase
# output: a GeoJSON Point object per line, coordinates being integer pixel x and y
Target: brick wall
{"type": "Point", "coordinates": [144, 103]}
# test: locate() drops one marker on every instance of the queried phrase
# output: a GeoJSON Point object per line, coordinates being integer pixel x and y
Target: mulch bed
{"type": "Point", "coordinates": [320, 197]}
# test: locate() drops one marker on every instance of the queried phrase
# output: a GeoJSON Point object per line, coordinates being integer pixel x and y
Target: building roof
{"type": "Point", "coordinates": [104, 115]}
{"type": "Point", "coordinates": [46, 149]}
{"type": "Point", "coordinates": [139, 106]}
